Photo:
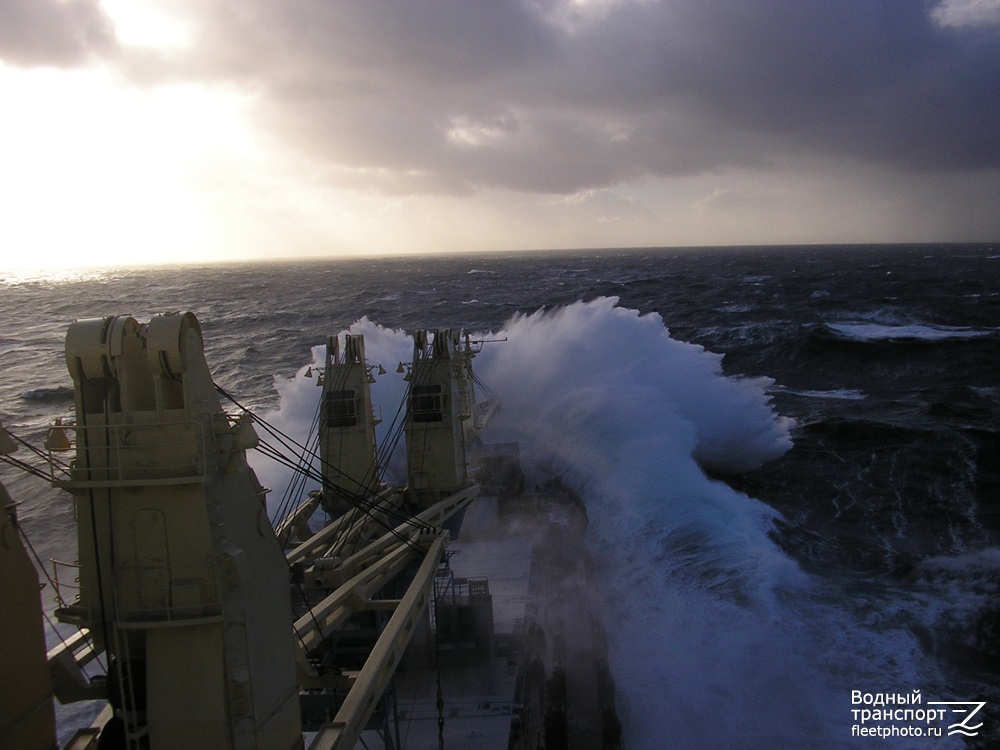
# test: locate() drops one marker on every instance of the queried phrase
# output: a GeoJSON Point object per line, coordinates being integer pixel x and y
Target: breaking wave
{"type": "Point", "coordinates": [717, 638]}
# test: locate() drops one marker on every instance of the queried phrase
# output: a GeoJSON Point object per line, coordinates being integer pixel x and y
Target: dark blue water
{"type": "Point", "coordinates": [744, 604]}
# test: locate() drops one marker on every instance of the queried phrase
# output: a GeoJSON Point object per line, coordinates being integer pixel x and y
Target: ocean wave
{"type": "Point", "coordinates": [602, 367]}
{"type": "Point", "coordinates": [862, 430]}
{"type": "Point", "coordinates": [959, 617]}
{"type": "Point", "coordinates": [867, 332]}
{"type": "Point", "coordinates": [977, 569]}
{"type": "Point", "coordinates": [987, 392]}
{"type": "Point", "coordinates": [49, 395]}
{"type": "Point", "coordinates": [840, 394]}
{"type": "Point", "coordinates": [746, 336]}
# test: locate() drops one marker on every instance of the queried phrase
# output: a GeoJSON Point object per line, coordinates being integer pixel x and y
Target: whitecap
{"type": "Point", "coordinates": [857, 331]}
{"type": "Point", "coordinates": [840, 394]}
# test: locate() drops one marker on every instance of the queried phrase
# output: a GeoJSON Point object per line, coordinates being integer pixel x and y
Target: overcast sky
{"type": "Point", "coordinates": [152, 130]}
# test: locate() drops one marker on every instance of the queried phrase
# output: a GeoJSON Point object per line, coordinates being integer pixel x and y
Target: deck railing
{"type": "Point", "coordinates": [144, 595]}
{"type": "Point", "coordinates": [132, 454]}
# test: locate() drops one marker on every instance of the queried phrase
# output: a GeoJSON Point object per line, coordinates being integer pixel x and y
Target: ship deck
{"type": "Point", "coordinates": [542, 678]}
{"type": "Point", "coordinates": [479, 690]}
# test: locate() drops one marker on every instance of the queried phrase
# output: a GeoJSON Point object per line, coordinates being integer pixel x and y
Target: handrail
{"type": "Point", "coordinates": [133, 454]}
{"type": "Point", "coordinates": [59, 586]}
{"type": "Point", "coordinates": [167, 593]}
{"type": "Point", "coordinates": [150, 594]}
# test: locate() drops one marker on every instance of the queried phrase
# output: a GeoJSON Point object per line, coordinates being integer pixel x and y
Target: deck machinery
{"type": "Point", "coordinates": [184, 586]}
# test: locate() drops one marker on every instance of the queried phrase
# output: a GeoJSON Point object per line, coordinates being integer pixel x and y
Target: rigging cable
{"type": "Point", "coordinates": [39, 563]}
{"type": "Point", "coordinates": [84, 438]}
{"type": "Point", "coordinates": [295, 489]}
{"type": "Point", "coordinates": [41, 566]}
{"type": "Point", "coordinates": [47, 457]}
{"type": "Point", "coordinates": [287, 441]}
{"type": "Point", "coordinates": [387, 448]}
{"type": "Point", "coordinates": [25, 467]}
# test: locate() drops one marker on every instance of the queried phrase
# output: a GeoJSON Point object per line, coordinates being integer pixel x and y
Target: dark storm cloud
{"type": "Point", "coordinates": [52, 32]}
{"type": "Point", "coordinates": [449, 95]}
{"type": "Point", "coordinates": [871, 79]}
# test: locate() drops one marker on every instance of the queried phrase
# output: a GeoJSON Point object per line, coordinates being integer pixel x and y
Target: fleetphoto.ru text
{"type": "Point", "coordinates": [907, 715]}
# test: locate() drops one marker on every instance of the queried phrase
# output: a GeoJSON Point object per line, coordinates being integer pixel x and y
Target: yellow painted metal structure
{"type": "Point", "coordinates": [181, 579]}
{"type": "Point", "coordinates": [440, 404]}
{"type": "Point", "coordinates": [347, 424]}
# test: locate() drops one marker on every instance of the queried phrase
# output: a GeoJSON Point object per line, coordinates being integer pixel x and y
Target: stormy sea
{"type": "Point", "coordinates": [790, 456]}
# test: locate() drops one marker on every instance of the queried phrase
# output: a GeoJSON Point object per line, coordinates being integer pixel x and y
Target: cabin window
{"type": "Point", "coordinates": [341, 409]}
{"type": "Point", "coordinates": [427, 403]}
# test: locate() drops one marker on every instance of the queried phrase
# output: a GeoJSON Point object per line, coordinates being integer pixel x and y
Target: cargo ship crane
{"type": "Point", "coordinates": [383, 539]}
{"type": "Point", "coordinates": [181, 580]}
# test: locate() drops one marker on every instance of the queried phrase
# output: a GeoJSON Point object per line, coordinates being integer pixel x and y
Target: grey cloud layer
{"type": "Point", "coordinates": [54, 33]}
{"type": "Point", "coordinates": [451, 95]}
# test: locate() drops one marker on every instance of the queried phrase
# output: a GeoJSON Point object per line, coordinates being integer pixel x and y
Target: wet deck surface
{"type": "Point", "coordinates": [546, 679]}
